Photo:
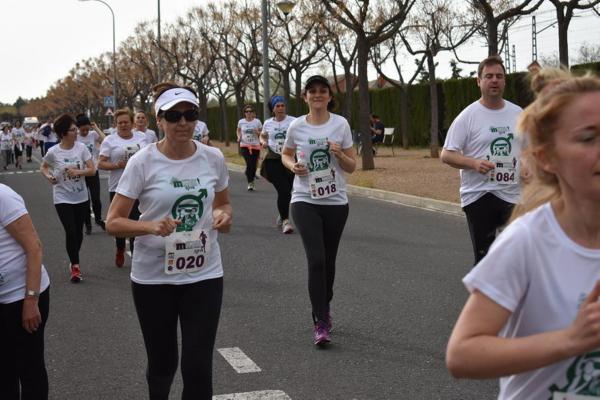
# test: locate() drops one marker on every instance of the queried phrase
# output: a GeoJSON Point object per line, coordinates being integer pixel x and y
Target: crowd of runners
{"type": "Point", "coordinates": [530, 190]}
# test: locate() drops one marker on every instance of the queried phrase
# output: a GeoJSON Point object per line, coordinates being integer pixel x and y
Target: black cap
{"type": "Point", "coordinates": [317, 79]}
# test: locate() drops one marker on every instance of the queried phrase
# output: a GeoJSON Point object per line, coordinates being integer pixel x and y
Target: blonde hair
{"type": "Point", "coordinates": [538, 124]}
{"type": "Point", "coordinates": [545, 78]}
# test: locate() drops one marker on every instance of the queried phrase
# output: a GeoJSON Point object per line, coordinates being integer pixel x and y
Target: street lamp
{"type": "Point", "coordinates": [114, 63]}
{"type": "Point", "coordinates": [285, 7]}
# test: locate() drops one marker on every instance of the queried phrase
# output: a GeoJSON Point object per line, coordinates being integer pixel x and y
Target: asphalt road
{"type": "Point", "coordinates": [397, 295]}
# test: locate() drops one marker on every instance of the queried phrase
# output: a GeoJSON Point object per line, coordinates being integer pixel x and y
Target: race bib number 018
{"type": "Point", "coordinates": [505, 171]}
{"type": "Point", "coordinates": [186, 252]}
{"type": "Point", "coordinates": [322, 184]}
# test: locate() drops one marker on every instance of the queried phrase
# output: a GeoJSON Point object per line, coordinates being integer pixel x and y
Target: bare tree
{"type": "Point", "coordinates": [501, 12]}
{"type": "Point", "coordinates": [390, 51]}
{"type": "Point", "coordinates": [190, 54]}
{"type": "Point", "coordinates": [588, 53]}
{"type": "Point", "coordinates": [436, 27]}
{"type": "Point", "coordinates": [345, 48]}
{"type": "Point", "coordinates": [373, 22]}
{"type": "Point", "coordinates": [564, 13]}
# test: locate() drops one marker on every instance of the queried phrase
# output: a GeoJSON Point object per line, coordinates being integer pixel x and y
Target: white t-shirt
{"type": "Point", "coordinates": [29, 136]}
{"type": "Point", "coordinates": [70, 190]}
{"type": "Point", "coordinates": [116, 149]}
{"type": "Point", "coordinates": [13, 260]}
{"type": "Point", "coordinates": [52, 138]}
{"type": "Point", "coordinates": [6, 141]}
{"type": "Point", "coordinates": [276, 131]}
{"type": "Point", "coordinates": [249, 132]}
{"type": "Point", "coordinates": [483, 133]}
{"type": "Point", "coordinates": [19, 135]}
{"type": "Point", "coordinates": [182, 189]}
{"type": "Point", "coordinates": [91, 143]}
{"type": "Point", "coordinates": [200, 130]}
{"type": "Point", "coordinates": [150, 135]}
{"type": "Point", "coordinates": [534, 270]}
{"type": "Point", "coordinates": [312, 141]}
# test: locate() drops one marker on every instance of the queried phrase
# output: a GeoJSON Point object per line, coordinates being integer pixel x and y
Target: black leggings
{"type": "Point", "coordinates": [22, 364]}
{"type": "Point", "coordinates": [197, 306]}
{"type": "Point", "coordinates": [282, 179]}
{"type": "Point", "coordinates": [28, 150]}
{"type": "Point", "coordinates": [321, 228]}
{"type": "Point", "coordinates": [134, 215]}
{"type": "Point", "coordinates": [72, 217]}
{"type": "Point", "coordinates": [484, 216]}
{"type": "Point", "coordinates": [93, 185]}
{"type": "Point", "coordinates": [251, 158]}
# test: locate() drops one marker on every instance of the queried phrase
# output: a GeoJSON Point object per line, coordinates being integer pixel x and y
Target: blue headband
{"type": "Point", "coordinates": [275, 100]}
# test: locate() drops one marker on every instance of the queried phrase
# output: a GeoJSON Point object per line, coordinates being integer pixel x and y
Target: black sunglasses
{"type": "Point", "coordinates": [175, 116]}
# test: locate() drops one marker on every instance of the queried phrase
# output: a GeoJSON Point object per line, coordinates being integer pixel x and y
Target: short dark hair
{"type": "Point", "coordinates": [321, 80]}
{"type": "Point", "coordinates": [491, 60]}
{"type": "Point", "coordinates": [62, 124]}
{"type": "Point", "coordinates": [81, 120]}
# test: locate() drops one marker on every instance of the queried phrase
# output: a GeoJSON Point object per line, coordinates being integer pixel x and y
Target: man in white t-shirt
{"type": "Point", "coordinates": [201, 133]}
{"type": "Point", "coordinates": [483, 144]}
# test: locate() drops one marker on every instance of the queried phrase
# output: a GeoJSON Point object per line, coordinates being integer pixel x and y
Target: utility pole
{"type": "Point", "coordinates": [533, 39]}
{"type": "Point", "coordinates": [514, 58]}
{"type": "Point", "coordinates": [507, 54]}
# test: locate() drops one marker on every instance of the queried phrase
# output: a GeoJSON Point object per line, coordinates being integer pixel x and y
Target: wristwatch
{"type": "Point", "coordinates": [32, 293]}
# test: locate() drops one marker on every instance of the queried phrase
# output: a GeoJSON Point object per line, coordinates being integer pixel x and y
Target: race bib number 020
{"type": "Point", "coordinates": [186, 252]}
{"type": "Point", "coordinates": [505, 171]}
{"type": "Point", "coordinates": [322, 183]}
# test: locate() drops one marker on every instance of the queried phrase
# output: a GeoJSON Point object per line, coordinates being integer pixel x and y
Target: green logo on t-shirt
{"type": "Point", "coordinates": [319, 160]}
{"type": "Point", "coordinates": [189, 209]}
{"type": "Point", "coordinates": [583, 376]}
{"type": "Point", "coordinates": [502, 146]}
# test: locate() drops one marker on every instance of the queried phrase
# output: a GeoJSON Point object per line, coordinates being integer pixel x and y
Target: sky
{"type": "Point", "coordinates": [41, 40]}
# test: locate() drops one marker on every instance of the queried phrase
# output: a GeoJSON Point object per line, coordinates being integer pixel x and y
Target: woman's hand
{"type": "Point", "coordinates": [299, 169]}
{"type": "Point", "coordinates": [164, 227]}
{"type": "Point", "coordinates": [335, 149]}
{"type": "Point", "coordinates": [120, 164]}
{"type": "Point", "coordinates": [221, 221]}
{"type": "Point", "coordinates": [51, 178]}
{"type": "Point", "coordinates": [73, 173]}
{"type": "Point", "coordinates": [31, 317]}
{"type": "Point", "coordinates": [584, 334]}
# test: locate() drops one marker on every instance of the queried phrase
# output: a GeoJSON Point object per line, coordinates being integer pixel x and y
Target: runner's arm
{"type": "Point", "coordinates": [119, 224]}
{"type": "Point", "coordinates": [99, 132]}
{"type": "Point", "coordinates": [23, 231]}
{"type": "Point", "coordinates": [457, 160]}
{"type": "Point", "coordinates": [104, 164]}
{"type": "Point", "coordinates": [475, 350]}
{"type": "Point", "coordinates": [288, 161]}
{"type": "Point", "coordinates": [222, 211]}
{"type": "Point", "coordinates": [45, 170]}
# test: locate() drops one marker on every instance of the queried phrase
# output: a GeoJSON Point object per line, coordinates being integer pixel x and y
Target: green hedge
{"type": "Point", "coordinates": [454, 96]}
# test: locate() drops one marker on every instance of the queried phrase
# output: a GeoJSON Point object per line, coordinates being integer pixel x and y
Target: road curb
{"type": "Point", "coordinates": [423, 203]}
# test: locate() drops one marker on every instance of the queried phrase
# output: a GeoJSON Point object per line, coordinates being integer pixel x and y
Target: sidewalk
{"type": "Point", "coordinates": [409, 177]}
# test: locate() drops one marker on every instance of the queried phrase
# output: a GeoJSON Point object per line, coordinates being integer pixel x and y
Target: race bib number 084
{"type": "Point", "coordinates": [186, 252]}
{"type": "Point", "coordinates": [505, 171]}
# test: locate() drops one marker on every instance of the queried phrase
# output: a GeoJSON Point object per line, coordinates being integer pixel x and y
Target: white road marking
{"type": "Point", "coordinates": [239, 361]}
{"type": "Point", "coordinates": [260, 395]}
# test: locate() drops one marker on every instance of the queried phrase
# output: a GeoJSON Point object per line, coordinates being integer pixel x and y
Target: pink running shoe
{"type": "Point", "coordinates": [75, 274]}
{"type": "Point", "coordinates": [321, 334]}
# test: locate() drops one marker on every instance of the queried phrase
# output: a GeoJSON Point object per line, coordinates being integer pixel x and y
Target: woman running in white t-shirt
{"type": "Point", "coordinates": [248, 131]}
{"type": "Point", "coordinates": [176, 273]}
{"type": "Point", "coordinates": [115, 152]}
{"type": "Point", "coordinates": [272, 138]}
{"type": "Point", "coordinates": [322, 144]}
{"type": "Point", "coordinates": [64, 166]}
{"type": "Point", "coordinates": [24, 302]}
{"type": "Point", "coordinates": [533, 316]}
{"type": "Point", "coordinates": [141, 125]}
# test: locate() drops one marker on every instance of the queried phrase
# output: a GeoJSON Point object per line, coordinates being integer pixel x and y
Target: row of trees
{"type": "Point", "coordinates": [216, 49]}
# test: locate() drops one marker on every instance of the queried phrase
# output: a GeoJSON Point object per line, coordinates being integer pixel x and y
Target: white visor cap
{"type": "Point", "coordinates": [174, 96]}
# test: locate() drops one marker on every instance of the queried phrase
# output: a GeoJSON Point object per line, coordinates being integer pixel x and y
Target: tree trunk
{"type": "Point", "coordinates": [224, 128]}
{"type": "Point", "coordinates": [563, 43]}
{"type": "Point", "coordinates": [434, 146]}
{"type": "Point", "coordinates": [492, 32]}
{"type": "Point", "coordinates": [364, 103]}
{"type": "Point", "coordinates": [203, 100]}
{"type": "Point", "coordinates": [257, 92]}
{"type": "Point", "coordinates": [299, 98]}
{"type": "Point", "coordinates": [404, 122]}
{"type": "Point", "coordinates": [347, 107]}
{"type": "Point", "coordinates": [285, 76]}
{"type": "Point", "coordinates": [240, 103]}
